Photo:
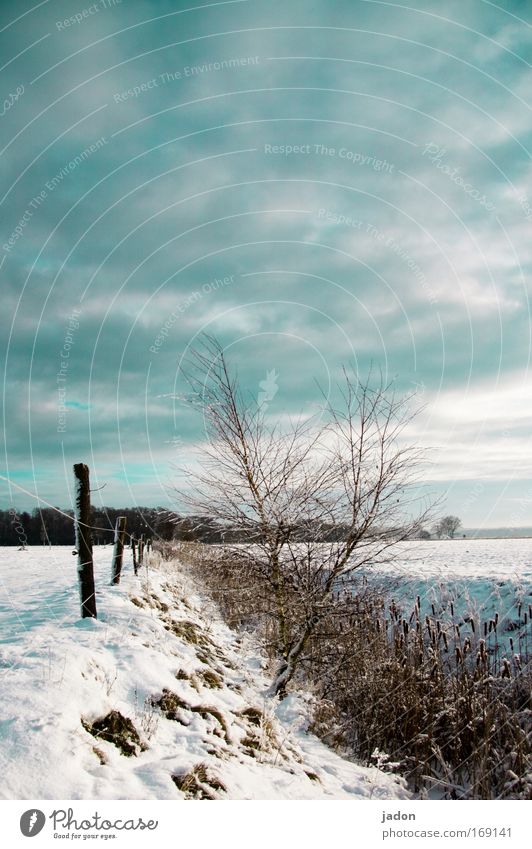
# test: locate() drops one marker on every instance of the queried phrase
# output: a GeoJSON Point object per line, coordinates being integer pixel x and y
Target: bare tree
{"type": "Point", "coordinates": [315, 501]}
{"type": "Point", "coordinates": [447, 527]}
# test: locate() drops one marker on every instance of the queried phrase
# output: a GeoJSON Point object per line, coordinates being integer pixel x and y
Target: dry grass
{"type": "Point", "coordinates": [199, 783]}
{"type": "Point", "coordinates": [117, 729]}
{"type": "Point", "coordinates": [453, 716]}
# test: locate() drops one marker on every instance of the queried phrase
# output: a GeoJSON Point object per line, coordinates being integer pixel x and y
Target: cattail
{"type": "Point", "coordinates": [445, 642]}
{"type": "Point", "coordinates": [452, 609]}
{"type": "Point", "coordinates": [511, 644]}
{"type": "Point", "coordinates": [485, 629]}
{"type": "Point", "coordinates": [457, 630]}
{"type": "Point", "coordinates": [438, 626]}
{"type": "Point", "coordinates": [506, 668]}
{"type": "Point", "coordinates": [519, 606]}
{"type": "Point", "coordinates": [467, 645]}
{"type": "Point", "coordinates": [433, 610]}
{"type": "Point", "coordinates": [472, 621]}
{"type": "Point", "coordinates": [496, 619]}
{"type": "Point", "coordinates": [458, 654]}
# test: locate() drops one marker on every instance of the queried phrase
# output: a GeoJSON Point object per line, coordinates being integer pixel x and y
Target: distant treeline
{"type": "Point", "coordinates": [56, 527]}
{"type": "Point", "coordinates": [49, 526]}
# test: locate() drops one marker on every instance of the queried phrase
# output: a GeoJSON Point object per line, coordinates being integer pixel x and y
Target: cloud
{"type": "Point", "coordinates": [425, 281]}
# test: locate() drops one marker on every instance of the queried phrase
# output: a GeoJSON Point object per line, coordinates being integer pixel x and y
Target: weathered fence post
{"type": "Point", "coordinates": [134, 553]}
{"type": "Point", "coordinates": [118, 551]}
{"type": "Point", "coordinates": [141, 549]}
{"type": "Point", "coordinates": [84, 542]}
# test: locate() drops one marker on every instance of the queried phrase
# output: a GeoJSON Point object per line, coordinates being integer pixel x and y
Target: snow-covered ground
{"type": "Point", "coordinates": [158, 657]}
{"type": "Point", "coordinates": [459, 580]}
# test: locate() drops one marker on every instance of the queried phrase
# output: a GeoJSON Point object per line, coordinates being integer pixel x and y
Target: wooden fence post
{"type": "Point", "coordinates": [118, 551]}
{"type": "Point", "coordinates": [84, 542]}
{"type": "Point", "coordinates": [134, 553]}
{"type": "Point", "coordinates": [141, 549]}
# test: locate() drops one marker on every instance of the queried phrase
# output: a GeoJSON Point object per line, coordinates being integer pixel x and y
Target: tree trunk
{"type": "Point", "coordinates": [84, 542]}
{"type": "Point", "coordinates": [280, 604]}
{"type": "Point", "coordinates": [288, 665]}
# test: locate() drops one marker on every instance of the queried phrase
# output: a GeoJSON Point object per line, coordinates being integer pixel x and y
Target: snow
{"type": "Point", "coordinates": [154, 633]}
{"type": "Point", "coordinates": [479, 578]}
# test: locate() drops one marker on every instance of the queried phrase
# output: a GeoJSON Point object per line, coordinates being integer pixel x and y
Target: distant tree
{"type": "Point", "coordinates": [423, 534]}
{"type": "Point", "coordinates": [447, 527]}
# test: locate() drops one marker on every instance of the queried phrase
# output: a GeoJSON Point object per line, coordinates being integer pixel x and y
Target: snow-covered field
{"type": "Point", "coordinates": [459, 580]}
{"type": "Point", "coordinates": [156, 637]}
{"type": "Point", "coordinates": [159, 656]}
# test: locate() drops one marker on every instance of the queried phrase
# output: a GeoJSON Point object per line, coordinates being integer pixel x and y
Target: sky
{"type": "Point", "coordinates": [316, 184]}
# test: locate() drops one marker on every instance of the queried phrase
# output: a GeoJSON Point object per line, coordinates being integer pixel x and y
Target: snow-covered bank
{"type": "Point", "coordinates": [181, 696]}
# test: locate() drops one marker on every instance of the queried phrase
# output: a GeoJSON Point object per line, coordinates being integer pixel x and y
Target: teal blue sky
{"type": "Point", "coordinates": [314, 183]}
